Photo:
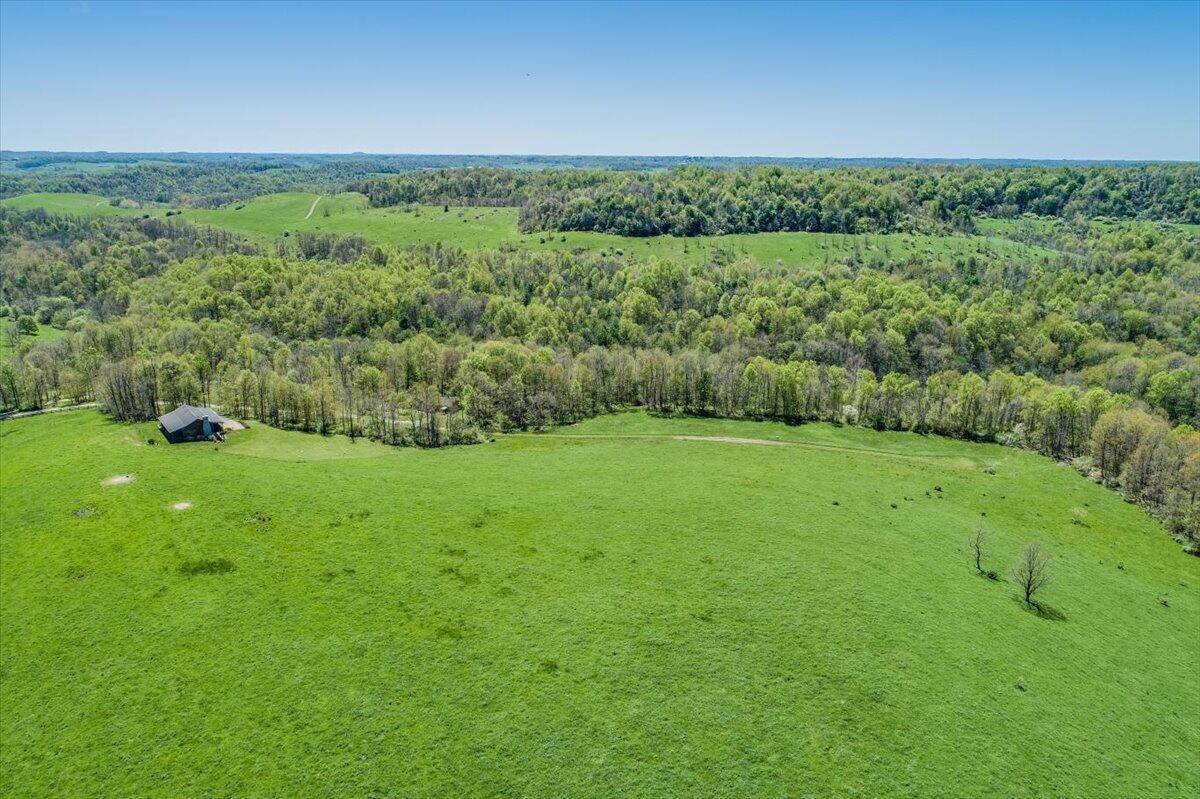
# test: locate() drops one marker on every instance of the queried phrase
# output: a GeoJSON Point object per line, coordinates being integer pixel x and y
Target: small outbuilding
{"type": "Point", "coordinates": [189, 423]}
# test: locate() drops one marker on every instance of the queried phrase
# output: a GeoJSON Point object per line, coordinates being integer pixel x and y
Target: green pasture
{"type": "Point", "coordinates": [634, 606]}
{"type": "Point", "coordinates": [7, 341]}
{"type": "Point", "coordinates": [272, 216]}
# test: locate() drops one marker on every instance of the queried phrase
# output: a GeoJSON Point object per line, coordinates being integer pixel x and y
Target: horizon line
{"type": "Point", "coordinates": [365, 153]}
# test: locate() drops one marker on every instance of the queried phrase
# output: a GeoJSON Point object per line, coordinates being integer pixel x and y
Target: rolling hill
{"type": "Point", "coordinates": [634, 606]}
{"type": "Point", "coordinates": [272, 216]}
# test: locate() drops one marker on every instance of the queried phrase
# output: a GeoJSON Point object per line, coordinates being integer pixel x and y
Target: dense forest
{"type": "Point", "coordinates": [1086, 351]}
{"type": "Point", "coordinates": [644, 196]}
{"type": "Point", "coordinates": [196, 184]}
{"type": "Point", "coordinates": [691, 201]}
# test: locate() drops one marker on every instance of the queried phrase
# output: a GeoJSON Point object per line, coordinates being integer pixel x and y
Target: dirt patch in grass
{"type": "Point", "coordinates": [181, 506]}
{"type": "Point", "coordinates": [117, 479]}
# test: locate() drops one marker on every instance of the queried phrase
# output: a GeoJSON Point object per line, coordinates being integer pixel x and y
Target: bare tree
{"type": "Point", "coordinates": [975, 544]}
{"type": "Point", "coordinates": [1032, 571]}
{"type": "Point", "coordinates": [12, 335]}
{"type": "Point", "coordinates": [424, 408]}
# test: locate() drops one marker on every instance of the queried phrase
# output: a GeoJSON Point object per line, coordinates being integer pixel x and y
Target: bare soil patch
{"type": "Point", "coordinates": [117, 479]}
{"type": "Point", "coordinates": [181, 506]}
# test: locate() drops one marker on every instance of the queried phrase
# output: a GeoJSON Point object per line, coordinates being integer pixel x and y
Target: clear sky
{"type": "Point", "coordinates": [1074, 80]}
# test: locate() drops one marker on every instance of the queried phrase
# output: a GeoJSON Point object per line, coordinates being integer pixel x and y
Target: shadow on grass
{"type": "Point", "coordinates": [700, 413]}
{"type": "Point", "coordinates": [193, 568]}
{"type": "Point", "coordinates": [1042, 610]}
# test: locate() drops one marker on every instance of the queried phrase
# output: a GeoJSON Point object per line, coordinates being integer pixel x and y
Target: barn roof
{"type": "Point", "coordinates": [184, 415]}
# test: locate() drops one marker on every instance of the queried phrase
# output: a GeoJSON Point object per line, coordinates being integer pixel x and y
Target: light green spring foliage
{"type": "Point", "coordinates": [602, 611]}
{"type": "Point", "coordinates": [270, 216]}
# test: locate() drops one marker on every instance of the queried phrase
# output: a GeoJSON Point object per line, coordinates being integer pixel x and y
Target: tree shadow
{"type": "Point", "coordinates": [1042, 610]}
{"type": "Point", "coordinates": [702, 413]}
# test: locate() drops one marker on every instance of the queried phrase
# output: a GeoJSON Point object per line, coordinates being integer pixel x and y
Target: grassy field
{"type": "Point", "coordinates": [1046, 225]}
{"type": "Point", "coordinates": [270, 216]}
{"type": "Point", "coordinates": [44, 332]}
{"type": "Point", "coordinates": [61, 203]}
{"type": "Point", "coordinates": [606, 610]}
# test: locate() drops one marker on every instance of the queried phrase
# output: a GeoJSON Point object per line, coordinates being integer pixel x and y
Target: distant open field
{"type": "Point", "coordinates": [1006, 227]}
{"type": "Point", "coordinates": [633, 606]}
{"type": "Point", "coordinates": [271, 216]}
{"type": "Point", "coordinates": [44, 332]}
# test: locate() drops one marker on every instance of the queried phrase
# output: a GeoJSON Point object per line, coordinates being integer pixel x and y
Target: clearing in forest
{"type": "Point", "coordinates": [273, 215]}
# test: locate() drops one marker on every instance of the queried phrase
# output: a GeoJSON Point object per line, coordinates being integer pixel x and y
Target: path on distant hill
{"type": "Point", "coordinates": [313, 207]}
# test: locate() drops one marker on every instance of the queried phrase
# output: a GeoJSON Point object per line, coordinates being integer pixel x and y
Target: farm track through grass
{"type": "Point", "coordinates": [966, 463]}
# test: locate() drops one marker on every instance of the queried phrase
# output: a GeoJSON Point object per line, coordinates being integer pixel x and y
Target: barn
{"type": "Point", "coordinates": [189, 423]}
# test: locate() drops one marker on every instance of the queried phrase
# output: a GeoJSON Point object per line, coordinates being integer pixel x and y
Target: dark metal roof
{"type": "Point", "coordinates": [184, 415]}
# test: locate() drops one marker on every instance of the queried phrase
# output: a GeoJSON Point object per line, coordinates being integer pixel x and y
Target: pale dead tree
{"type": "Point", "coordinates": [1031, 572]}
{"type": "Point", "coordinates": [975, 544]}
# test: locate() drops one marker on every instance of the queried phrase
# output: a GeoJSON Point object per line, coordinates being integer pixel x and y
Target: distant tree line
{"type": "Point", "coordinates": [200, 185]}
{"type": "Point", "coordinates": [213, 179]}
{"type": "Point", "coordinates": [29, 160]}
{"type": "Point", "coordinates": [1119, 309]}
{"type": "Point", "coordinates": [1084, 354]}
{"type": "Point", "coordinates": [640, 197]}
{"type": "Point", "coordinates": [423, 392]}
{"type": "Point", "coordinates": [694, 200]}
{"type": "Point", "coordinates": [479, 185]}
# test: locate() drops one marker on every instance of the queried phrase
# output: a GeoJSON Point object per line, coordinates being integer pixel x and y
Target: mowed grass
{"type": "Point", "coordinates": [271, 216]}
{"type": "Point", "coordinates": [606, 610]}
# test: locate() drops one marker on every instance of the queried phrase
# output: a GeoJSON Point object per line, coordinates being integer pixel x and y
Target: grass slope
{"type": "Point", "coordinates": [272, 215]}
{"type": "Point", "coordinates": [45, 332]}
{"type": "Point", "coordinates": [65, 203]}
{"type": "Point", "coordinates": [606, 610]}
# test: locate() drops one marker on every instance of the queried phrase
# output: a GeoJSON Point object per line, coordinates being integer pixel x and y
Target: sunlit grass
{"type": "Point", "coordinates": [272, 216]}
{"type": "Point", "coordinates": [607, 610]}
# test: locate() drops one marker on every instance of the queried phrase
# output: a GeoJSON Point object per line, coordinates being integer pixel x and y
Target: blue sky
{"type": "Point", "coordinates": [1074, 80]}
